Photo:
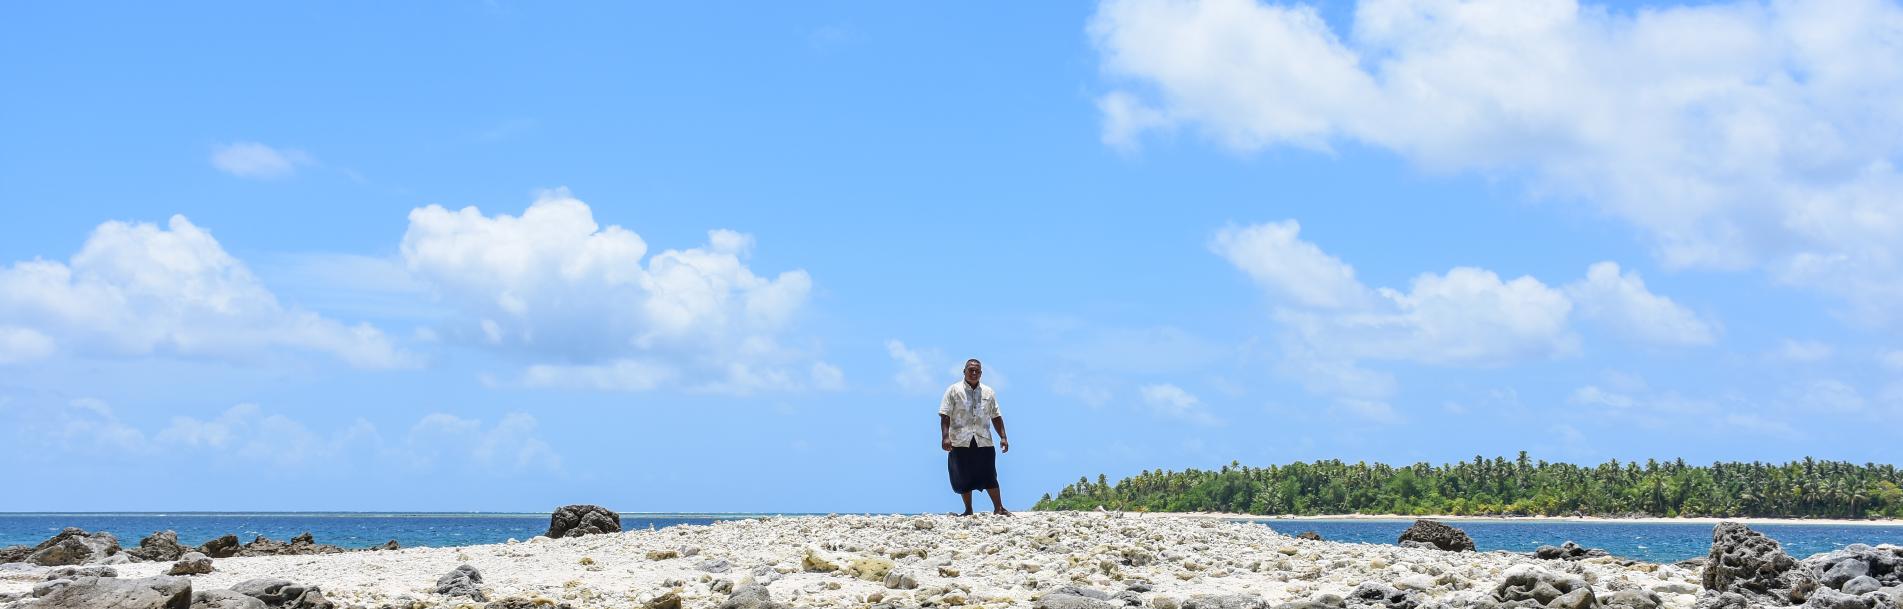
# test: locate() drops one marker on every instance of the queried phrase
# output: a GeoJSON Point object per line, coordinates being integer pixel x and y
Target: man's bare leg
{"type": "Point", "coordinates": [967, 497]}
{"type": "Point", "coordinates": [997, 505]}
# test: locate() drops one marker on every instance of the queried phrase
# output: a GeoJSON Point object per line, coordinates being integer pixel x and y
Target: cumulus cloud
{"type": "Point", "coordinates": [916, 367]}
{"type": "Point", "coordinates": [137, 289]}
{"type": "Point", "coordinates": [257, 161]}
{"type": "Point", "coordinates": [1467, 316]}
{"type": "Point", "coordinates": [1733, 135]}
{"type": "Point", "coordinates": [554, 284]}
{"type": "Point", "coordinates": [1172, 402]}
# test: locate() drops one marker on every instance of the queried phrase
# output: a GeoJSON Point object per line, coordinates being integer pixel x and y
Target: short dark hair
{"type": "Point", "coordinates": [974, 360]}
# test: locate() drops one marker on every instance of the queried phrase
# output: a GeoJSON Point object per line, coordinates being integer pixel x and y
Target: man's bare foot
{"type": "Point", "coordinates": [1001, 512]}
{"type": "Point", "coordinates": [955, 514]}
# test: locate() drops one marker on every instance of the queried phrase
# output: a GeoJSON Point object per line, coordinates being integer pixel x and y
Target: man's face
{"type": "Point", "coordinates": [972, 371]}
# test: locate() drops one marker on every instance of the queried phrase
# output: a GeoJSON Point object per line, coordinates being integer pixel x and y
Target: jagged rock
{"type": "Point", "coordinates": [751, 597]}
{"type": "Point", "coordinates": [1225, 601]}
{"type": "Point", "coordinates": [222, 547]}
{"type": "Point", "coordinates": [1883, 564]}
{"type": "Point", "coordinates": [670, 600]}
{"type": "Point", "coordinates": [1635, 599]}
{"type": "Point", "coordinates": [301, 545]}
{"type": "Point", "coordinates": [462, 582]}
{"type": "Point", "coordinates": [283, 594]}
{"type": "Point", "coordinates": [158, 547]}
{"type": "Point", "coordinates": [224, 599]}
{"type": "Point", "coordinates": [579, 520]}
{"type": "Point", "coordinates": [1441, 536]}
{"type": "Point", "coordinates": [1309, 535]}
{"type": "Point", "coordinates": [78, 572]}
{"type": "Point", "coordinates": [15, 553]}
{"type": "Point", "coordinates": [1746, 562]}
{"type": "Point", "coordinates": [1568, 551]}
{"type": "Point", "coordinates": [1826, 598]}
{"type": "Point", "coordinates": [192, 563]}
{"type": "Point", "coordinates": [74, 546]}
{"type": "Point", "coordinates": [1376, 595]}
{"type": "Point", "coordinates": [113, 593]}
{"type": "Point", "coordinates": [1529, 586]}
{"type": "Point", "coordinates": [388, 545]}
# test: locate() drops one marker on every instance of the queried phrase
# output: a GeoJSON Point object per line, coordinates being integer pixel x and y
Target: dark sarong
{"type": "Point", "coordinates": [972, 468]}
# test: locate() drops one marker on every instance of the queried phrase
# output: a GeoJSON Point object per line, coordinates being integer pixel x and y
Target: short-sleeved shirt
{"type": "Point", "coordinates": [971, 411]}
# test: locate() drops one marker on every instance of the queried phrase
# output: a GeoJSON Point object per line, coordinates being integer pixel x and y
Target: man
{"type": "Point", "coordinates": [962, 416]}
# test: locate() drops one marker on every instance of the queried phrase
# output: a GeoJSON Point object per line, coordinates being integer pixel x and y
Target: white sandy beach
{"type": "Point", "coordinates": [848, 561]}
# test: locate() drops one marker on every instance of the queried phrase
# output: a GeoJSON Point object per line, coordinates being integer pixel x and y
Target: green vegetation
{"type": "Point", "coordinates": [1799, 489]}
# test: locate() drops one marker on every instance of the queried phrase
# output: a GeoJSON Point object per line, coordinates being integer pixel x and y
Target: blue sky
{"type": "Point", "coordinates": [503, 256]}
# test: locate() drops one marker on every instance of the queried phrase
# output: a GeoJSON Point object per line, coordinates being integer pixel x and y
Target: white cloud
{"type": "Point", "coordinates": [1732, 135]}
{"type": "Point", "coordinates": [137, 289]}
{"type": "Point", "coordinates": [23, 344]}
{"type": "Point", "coordinates": [1275, 256]}
{"type": "Point", "coordinates": [1621, 301]}
{"type": "Point", "coordinates": [1169, 401]}
{"type": "Point", "coordinates": [1802, 351]}
{"type": "Point", "coordinates": [1369, 410]}
{"type": "Point", "coordinates": [916, 368]}
{"type": "Point", "coordinates": [552, 284]}
{"type": "Point", "coordinates": [1825, 396]}
{"type": "Point", "coordinates": [257, 161]}
{"type": "Point", "coordinates": [511, 445]}
{"type": "Point", "coordinates": [1592, 395]}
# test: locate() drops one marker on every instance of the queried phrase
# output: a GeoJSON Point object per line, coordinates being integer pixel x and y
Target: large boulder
{"type": "Point", "coordinates": [73, 546]}
{"type": "Point", "coordinates": [113, 593]}
{"type": "Point", "coordinates": [1835, 569]}
{"type": "Point", "coordinates": [1747, 563]}
{"type": "Point", "coordinates": [224, 599]}
{"type": "Point", "coordinates": [1527, 586]}
{"type": "Point", "coordinates": [1438, 535]}
{"type": "Point", "coordinates": [579, 520]}
{"type": "Point", "coordinates": [15, 553]}
{"type": "Point", "coordinates": [222, 547]}
{"type": "Point", "coordinates": [160, 546]}
{"type": "Point", "coordinates": [283, 594]}
{"type": "Point", "coordinates": [300, 545]}
{"type": "Point", "coordinates": [192, 563]}
{"type": "Point", "coordinates": [462, 582]}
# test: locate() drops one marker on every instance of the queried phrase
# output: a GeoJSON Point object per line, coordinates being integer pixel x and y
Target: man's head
{"type": "Point", "coordinates": [973, 370]}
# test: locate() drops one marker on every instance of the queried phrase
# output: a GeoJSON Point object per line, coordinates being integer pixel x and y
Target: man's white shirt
{"type": "Point", "coordinates": [971, 411]}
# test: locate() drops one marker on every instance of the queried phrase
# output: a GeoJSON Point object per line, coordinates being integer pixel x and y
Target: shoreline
{"type": "Point", "coordinates": [1752, 521]}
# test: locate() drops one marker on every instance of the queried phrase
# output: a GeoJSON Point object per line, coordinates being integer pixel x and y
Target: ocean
{"type": "Point", "coordinates": [1655, 542]}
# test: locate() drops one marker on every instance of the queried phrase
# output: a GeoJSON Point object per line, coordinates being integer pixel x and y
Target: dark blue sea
{"type": "Point", "coordinates": [1643, 541]}
{"type": "Point", "coordinates": [1653, 542]}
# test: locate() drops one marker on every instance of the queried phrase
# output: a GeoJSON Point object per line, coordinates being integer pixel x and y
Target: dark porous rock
{"type": "Point", "coordinates": [224, 599]}
{"type": "Point", "coordinates": [1441, 536]}
{"type": "Point", "coordinates": [158, 547]}
{"type": "Point", "coordinates": [1225, 601]}
{"type": "Point", "coordinates": [1746, 562]}
{"type": "Point", "coordinates": [462, 582]}
{"type": "Point", "coordinates": [1529, 586]}
{"type": "Point", "coordinates": [1128, 599]}
{"type": "Point", "coordinates": [283, 594]}
{"type": "Point", "coordinates": [192, 563]}
{"type": "Point", "coordinates": [751, 597]}
{"type": "Point", "coordinates": [74, 546]}
{"type": "Point", "coordinates": [388, 545]}
{"type": "Point", "coordinates": [300, 545]}
{"type": "Point", "coordinates": [1826, 598]}
{"type": "Point", "coordinates": [1139, 586]}
{"type": "Point", "coordinates": [1634, 599]}
{"type": "Point", "coordinates": [1376, 595]}
{"type": "Point", "coordinates": [113, 593]}
{"type": "Point", "coordinates": [669, 600]}
{"type": "Point", "coordinates": [222, 547]}
{"type": "Point", "coordinates": [579, 520]}
{"type": "Point", "coordinates": [1568, 551]}
{"type": "Point", "coordinates": [1309, 535]}
{"type": "Point", "coordinates": [15, 553]}
{"type": "Point", "coordinates": [78, 572]}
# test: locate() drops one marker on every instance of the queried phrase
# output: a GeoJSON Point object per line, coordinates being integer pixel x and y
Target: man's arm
{"type": "Point", "coordinates": [944, 432]}
{"type": "Point", "coordinates": [1003, 442]}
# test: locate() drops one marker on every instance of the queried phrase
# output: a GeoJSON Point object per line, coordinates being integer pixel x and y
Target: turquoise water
{"type": "Point", "coordinates": [1654, 542]}
{"type": "Point", "coordinates": [1643, 541]}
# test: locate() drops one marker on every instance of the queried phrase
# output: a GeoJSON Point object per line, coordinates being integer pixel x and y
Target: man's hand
{"type": "Point", "coordinates": [1005, 444]}
{"type": "Point", "coordinates": [945, 443]}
